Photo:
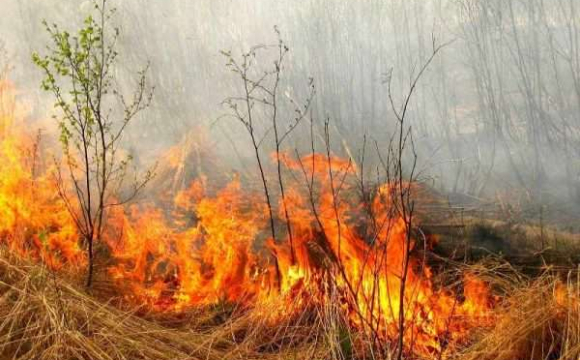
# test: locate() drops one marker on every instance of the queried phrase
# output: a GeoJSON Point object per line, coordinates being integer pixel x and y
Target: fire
{"type": "Point", "coordinates": [199, 265]}
{"type": "Point", "coordinates": [216, 247]}
{"type": "Point", "coordinates": [34, 220]}
{"type": "Point", "coordinates": [209, 246]}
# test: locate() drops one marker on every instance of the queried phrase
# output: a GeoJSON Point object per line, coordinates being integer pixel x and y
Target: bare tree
{"type": "Point", "coordinates": [261, 88]}
{"type": "Point", "coordinates": [404, 180]}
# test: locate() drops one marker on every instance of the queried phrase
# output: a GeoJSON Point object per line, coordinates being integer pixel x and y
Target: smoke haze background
{"type": "Point", "coordinates": [498, 111]}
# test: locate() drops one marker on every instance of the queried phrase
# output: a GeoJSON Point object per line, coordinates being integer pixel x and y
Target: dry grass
{"type": "Point", "coordinates": [46, 317]}
{"type": "Point", "coordinates": [43, 317]}
{"type": "Point", "coordinates": [537, 319]}
{"type": "Point", "coordinates": [521, 244]}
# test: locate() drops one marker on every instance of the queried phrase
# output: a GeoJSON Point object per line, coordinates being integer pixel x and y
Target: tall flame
{"type": "Point", "coordinates": [33, 219]}
{"type": "Point", "coordinates": [217, 248]}
{"type": "Point", "coordinates": [209, 247]}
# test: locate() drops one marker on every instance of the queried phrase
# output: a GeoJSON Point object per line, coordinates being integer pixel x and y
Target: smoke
{"type": "Point", "coordinates": [495, 113]}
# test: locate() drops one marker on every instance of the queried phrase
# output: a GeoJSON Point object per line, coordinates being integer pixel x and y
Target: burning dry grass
{"type": "Point", "coordinates": [190, 268]}
{"type": "Point", "coordinates": [341, 269]}
{"type": "Point", "coordinates": [44, 316]}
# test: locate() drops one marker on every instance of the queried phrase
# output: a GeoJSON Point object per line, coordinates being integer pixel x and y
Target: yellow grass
{"type": "Point", "coordinates": [45, 316]}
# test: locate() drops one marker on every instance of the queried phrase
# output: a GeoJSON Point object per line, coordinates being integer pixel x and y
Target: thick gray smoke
{"type": "Point", "coordinates": [496, 112]}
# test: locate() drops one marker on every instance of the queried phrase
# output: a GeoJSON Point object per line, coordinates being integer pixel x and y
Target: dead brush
{"type": "Point", "coordinates": [538, 319]}
{"type": "Point", "coordinates": [43, 316]}
{"type": "Point", "coordinates": [281, 329]}
{"type": "Point", "coordinates": [46, 318]}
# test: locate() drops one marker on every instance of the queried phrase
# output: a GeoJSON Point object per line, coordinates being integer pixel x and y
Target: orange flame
{"type": "Point", "coordinates": [213, 250]}
{"type": "Point", "coordinates": [205, 248]}
{"type": "Point", "coordinates": [34, 221]}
